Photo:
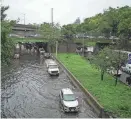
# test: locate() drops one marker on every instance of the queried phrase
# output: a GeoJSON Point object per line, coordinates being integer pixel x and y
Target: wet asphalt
{"type": "Point", "coordinates": [27, 91]}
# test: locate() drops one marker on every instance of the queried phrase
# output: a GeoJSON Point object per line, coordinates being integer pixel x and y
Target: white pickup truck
{"type": "Point", "coordinates": [52, 67]}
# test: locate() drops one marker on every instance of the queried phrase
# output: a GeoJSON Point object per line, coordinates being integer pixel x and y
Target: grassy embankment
{"type": "Point", "coordinates": [115, 99]}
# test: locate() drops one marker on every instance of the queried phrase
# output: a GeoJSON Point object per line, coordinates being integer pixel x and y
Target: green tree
{"type": "Point", "coordinates": [105, 29]}
{"type": "Point", "coordinates": [116, 59]}
{"type": "Point", "coordinates": [3, 9]}
{"type": "Point", "coordinates": [50, 33]}
{"type": "Point", "coordinates": [68, 32]}
{"type": "Point", "coordinates": [109, 60]}
{"type": "Point", "coordinates": [124, 27]}
{"type": "Point", "coordinates": [102, 61]}
{"type": "Point", "coordinates": [6, 42]}
{"type": "Point", "coordinates": [112, 22]}
{"type": "Point", "coordinates": [13, 22]}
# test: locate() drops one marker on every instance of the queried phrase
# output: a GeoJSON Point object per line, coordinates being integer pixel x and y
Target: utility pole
{"type": "Point", "coordinates": [52, 16]}
{"type": "Point", "coordinates": [52, 29]}
{"type": "Point", "coordinates": [56, 43]}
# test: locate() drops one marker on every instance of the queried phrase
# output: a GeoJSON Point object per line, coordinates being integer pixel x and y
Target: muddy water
{"type": "Point", "coordinates": [28, 91]}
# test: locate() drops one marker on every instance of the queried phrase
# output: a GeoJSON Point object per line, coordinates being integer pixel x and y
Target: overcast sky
{"type": "Point", "coordinates": [65, 11]}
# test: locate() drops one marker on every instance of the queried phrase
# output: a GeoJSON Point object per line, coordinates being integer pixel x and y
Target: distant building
{"type": "Point", "coordinates": [77, 21]}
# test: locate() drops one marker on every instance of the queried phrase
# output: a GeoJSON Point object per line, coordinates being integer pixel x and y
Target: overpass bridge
{"type": "Point", "coordinates": [24, 30]}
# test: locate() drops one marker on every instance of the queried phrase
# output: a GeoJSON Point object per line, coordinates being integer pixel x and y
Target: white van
{"type": "Point", "coordinates": [52, 68]}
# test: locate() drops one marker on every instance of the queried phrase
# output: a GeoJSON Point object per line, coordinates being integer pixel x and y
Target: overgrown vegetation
{"type": "Point", "coordinates": [115, 99]}
{"type": "Point", "coordinates": [50, 32]}
{"type": "Point", "coordinates": [6, 43]}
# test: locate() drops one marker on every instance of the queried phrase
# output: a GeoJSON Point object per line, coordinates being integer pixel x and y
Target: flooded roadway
{"type": "Point", "coordinates": [29, 92]}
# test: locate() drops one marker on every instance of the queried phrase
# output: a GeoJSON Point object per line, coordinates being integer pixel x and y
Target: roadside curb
{"type": "Point", "coordinates": [99, 109]}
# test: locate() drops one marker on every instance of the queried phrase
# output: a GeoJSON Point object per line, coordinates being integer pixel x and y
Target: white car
{"type": "Point", "coordinates": [53, 69]}
{"type": "Point", "coordinates": [16, 56]}
{"type": "Point", "coordinates": [68, 100]}
{"type": "Point", "coordinates": [101, 37]}
{"type": "Point", "coordinates": [42, 51]}
{"type": "Point", "coordinates": [112, 71]}
{"type": "Point", "coordinates": [47, 55]}
{"type": "Point", "coordinates": [126, 68]}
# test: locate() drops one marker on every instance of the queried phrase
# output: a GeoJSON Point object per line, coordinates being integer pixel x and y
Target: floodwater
{"type": "Point", "coordinates": [27, 91]}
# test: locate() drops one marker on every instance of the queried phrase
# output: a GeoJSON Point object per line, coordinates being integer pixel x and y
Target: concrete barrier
{"type": "Point", "coordinates": [99, 110]}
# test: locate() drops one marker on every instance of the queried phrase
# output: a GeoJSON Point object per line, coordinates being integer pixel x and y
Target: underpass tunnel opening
{"type": "Point", "coordinates": [43, 45]}
{"type": "Point", "coordinates": [31, 45]}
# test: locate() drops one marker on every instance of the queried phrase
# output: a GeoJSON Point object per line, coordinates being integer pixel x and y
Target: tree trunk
{"type": "Point", "coordinates": [116, 81]}
{"type": "Point", "coordinates": [116, 77]}
{"type": "Point", "coordinates": [102, 75]}
{"type": "Point", "coordinates": [51, 48]}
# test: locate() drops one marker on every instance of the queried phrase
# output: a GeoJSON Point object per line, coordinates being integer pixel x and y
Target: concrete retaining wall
{"type": "Point", "coordinates": [99, 110]}
{"type": "Point", "coordinates": [62, 48]}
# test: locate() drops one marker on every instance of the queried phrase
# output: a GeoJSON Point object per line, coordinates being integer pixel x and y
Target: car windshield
{"type": "Point", "coordinates": [69, 97]}
{"type": "Point", "coordinates": [53, 66]}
